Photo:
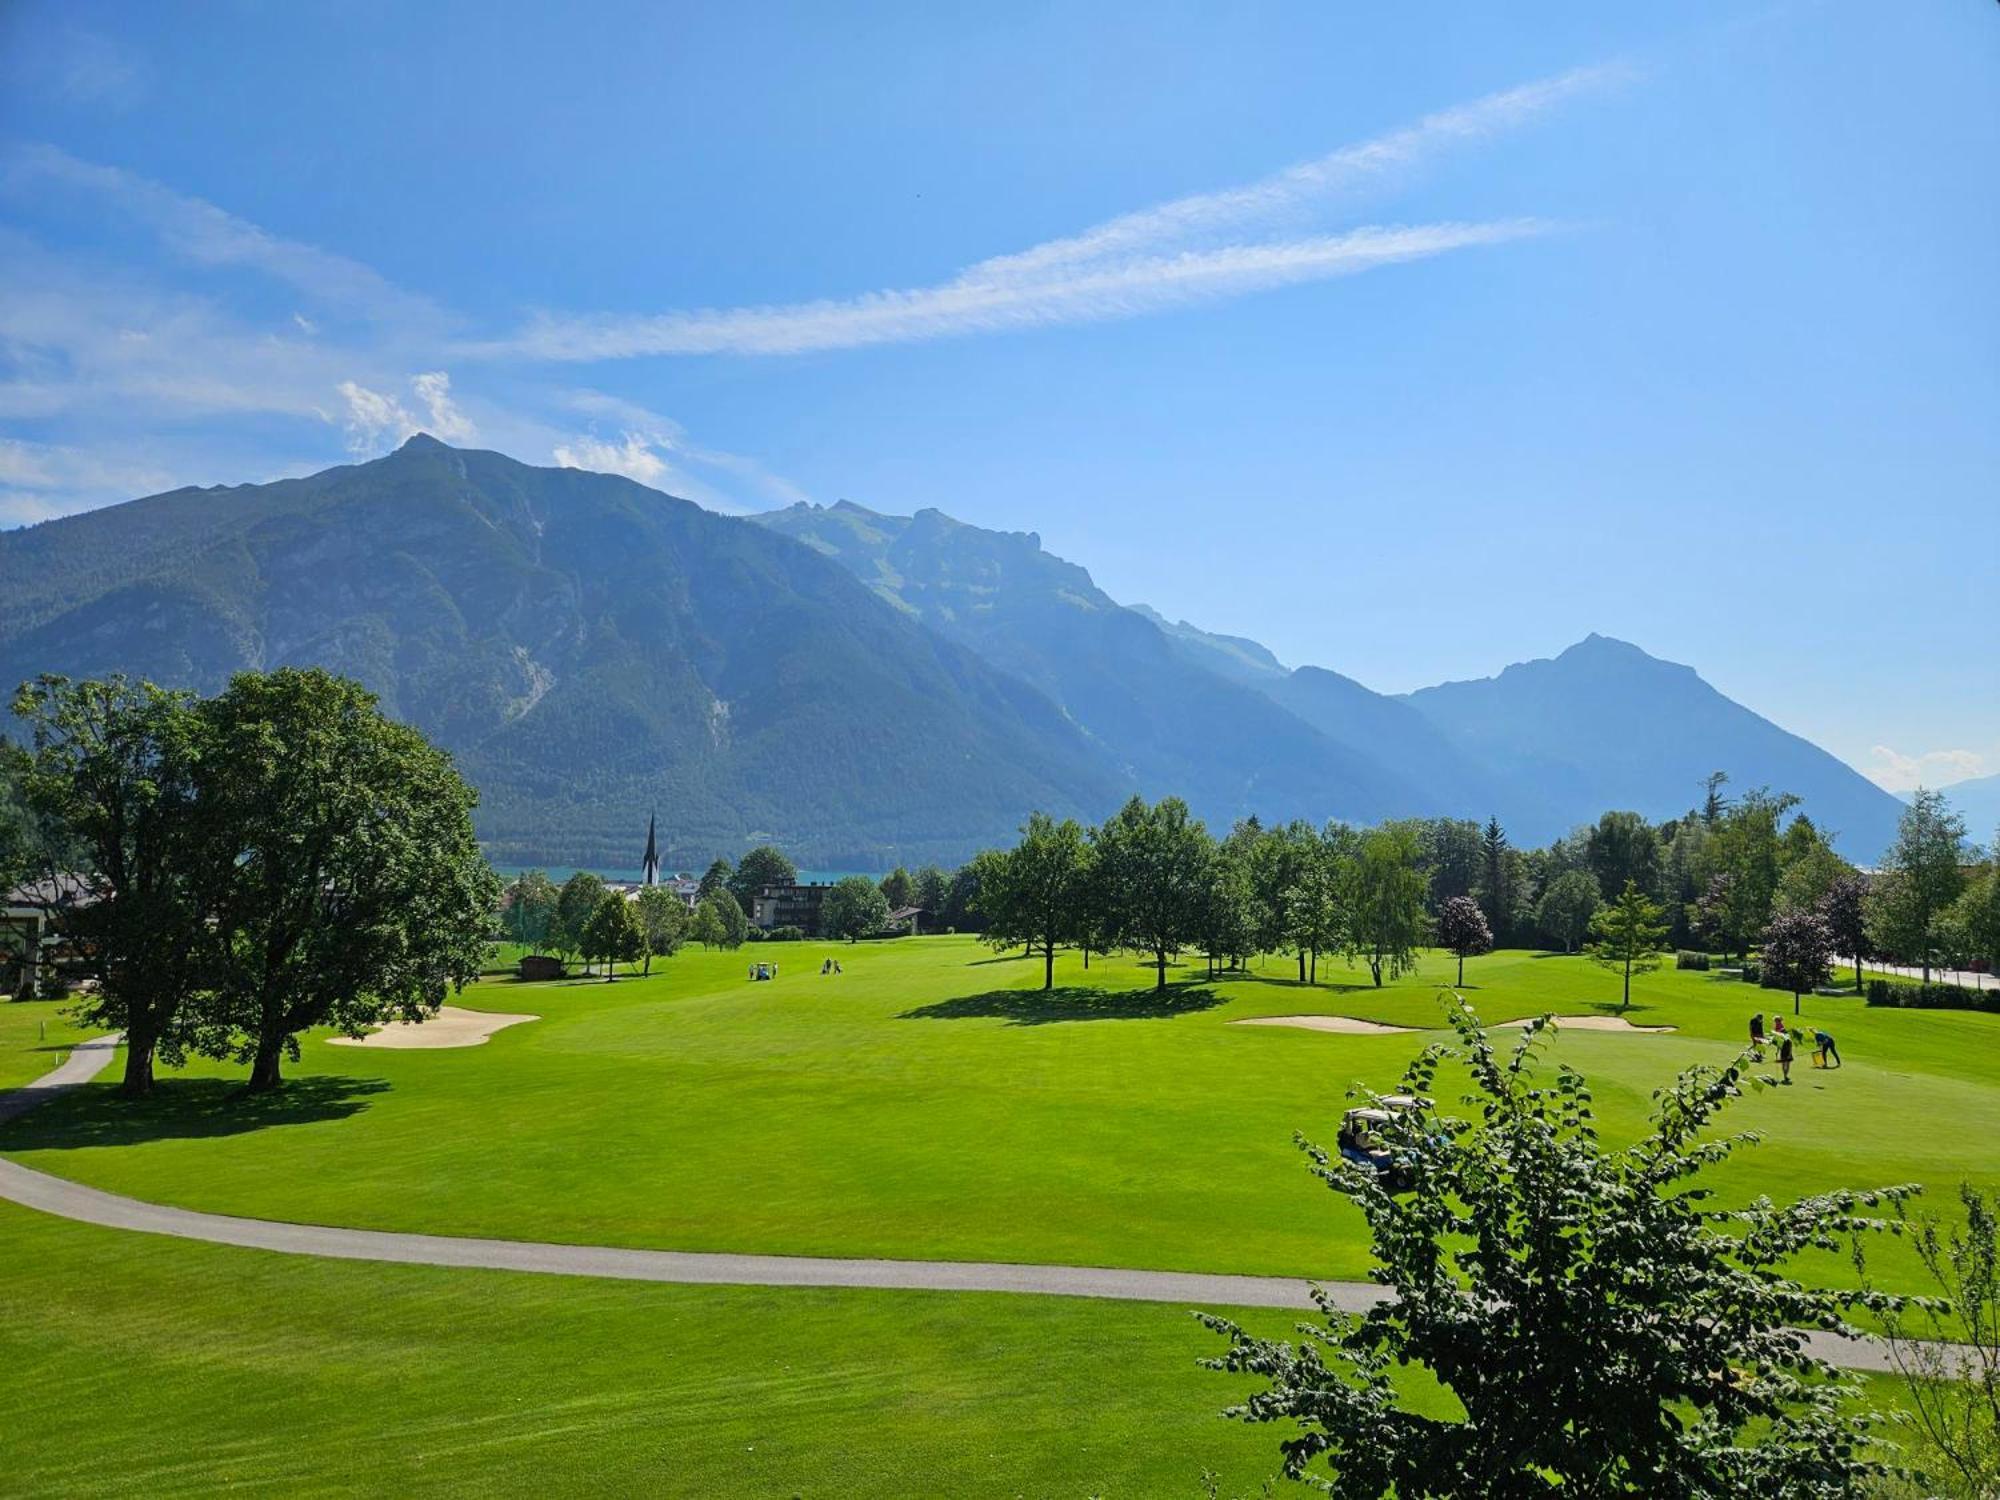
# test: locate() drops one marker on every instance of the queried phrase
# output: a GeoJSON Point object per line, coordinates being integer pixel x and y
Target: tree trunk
{"type": "Point", "coordinates": [1375, 968]}
{"type": "Point", "coordinates": [139, 1044]}
{"type": "Point", "coordinates": [1302, 966]}
{"type": "Point", "coordinates": [1461, 971]}
{"type": "Point", "coordinates": [264, 1069]}
{"type": "Point", "coordinates": [1627, 1005]}
{"type": "Point", "coordinates": [1857, 973]}
{"type": "Point", "coordinates": [1049, 967]}
{"type": "Point", "coordinates": [1160, 976]}
{"type": "Point", "coordinates": [1795, 1002]}
{"type": "Point", "coordinates": [1312, 973]}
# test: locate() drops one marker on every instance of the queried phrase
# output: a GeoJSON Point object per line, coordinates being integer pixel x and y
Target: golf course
{"type": "Point", "coordinates": [929, 1103]}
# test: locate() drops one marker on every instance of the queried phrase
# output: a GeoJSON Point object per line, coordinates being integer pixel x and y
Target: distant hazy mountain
{"type": "Point", "coordinates": [1605, 725]}
{"type": "Point", "coordinates": [1978, 802]}
{"type": "Point", "coordinates": [1151, 699]}
{"type": "Point", "coordinates": [589, 649]}
{"type": "Point", "coordinates": [861, 688]}
{"type": "Point", "coordinates": [1230, 655]}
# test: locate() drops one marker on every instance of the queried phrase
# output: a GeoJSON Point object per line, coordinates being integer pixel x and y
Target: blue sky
{"type": "Point", "coordinates": [1410, 344]}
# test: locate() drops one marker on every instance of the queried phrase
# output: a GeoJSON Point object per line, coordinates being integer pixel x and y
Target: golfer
{"type": "Point", "coordinates": [1829, 1054]}
{"type": "Point", "coordinates": [1785, 1053]}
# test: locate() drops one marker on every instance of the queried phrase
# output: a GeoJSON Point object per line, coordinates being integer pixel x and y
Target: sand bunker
{"type": "Point", "coordinates": [450, 1027]}
{"type": "Point", "coordinates": [1345, 1025]}
{"type": "Point", "coordinates": [1594, 1023]}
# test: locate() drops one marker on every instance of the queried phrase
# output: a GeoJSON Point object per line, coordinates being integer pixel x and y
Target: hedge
{"type": "Point", "coordinates": [1931, 996]}
{"type": "Point", "coordinates": [1685, 959]}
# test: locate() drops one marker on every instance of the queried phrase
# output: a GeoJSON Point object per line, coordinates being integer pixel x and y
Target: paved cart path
{"type": "Point", "coordinates": [72, 1200]}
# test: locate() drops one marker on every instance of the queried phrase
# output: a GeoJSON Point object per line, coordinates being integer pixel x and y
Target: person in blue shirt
{"type": "Point", "coordinates": [1829, 1055]}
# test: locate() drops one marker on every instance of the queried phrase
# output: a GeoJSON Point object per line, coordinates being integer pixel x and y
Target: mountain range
{"type": "Point", "coordinates": [860, 688]}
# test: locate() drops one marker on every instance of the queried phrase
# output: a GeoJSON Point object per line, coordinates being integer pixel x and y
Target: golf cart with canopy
{"type": "Point", "coordinates": [1364, 1137]}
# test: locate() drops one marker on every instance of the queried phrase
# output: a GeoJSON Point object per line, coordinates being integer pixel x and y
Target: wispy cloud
{"type": "Point", "coordinates": [1195, 248]}
{"type": "Point", "coordinates": [656, 451]}
{"type": "Point", "coordinates": [202, 234]}
{"type": "Point", "coordinates": [1091, 293]}
{"type": "Point", "coordinates": [108, 351]}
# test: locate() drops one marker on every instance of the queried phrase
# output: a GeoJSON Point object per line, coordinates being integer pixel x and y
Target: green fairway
{"type": "Point", "coordinates": [218, 1368]}
{"type": "Point", "coordinates": [35, 1035]}
{"type": "Point", "coordinates": [932, 1103]}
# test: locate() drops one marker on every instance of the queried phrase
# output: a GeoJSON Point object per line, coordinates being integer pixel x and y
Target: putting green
{"type": "Point", "coordinates": [932, 1103]}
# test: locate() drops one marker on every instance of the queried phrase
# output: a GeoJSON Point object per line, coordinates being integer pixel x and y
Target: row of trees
{"type": "Point", "coordinates": [232, 871]}
{"type": "Point", "coordinates": [1723, 872]}
{"type": "Point", "coordinates": [1152, 879]}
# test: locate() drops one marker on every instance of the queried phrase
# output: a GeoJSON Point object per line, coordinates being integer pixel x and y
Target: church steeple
{"type": "Point", "coordinates": [651, 867]}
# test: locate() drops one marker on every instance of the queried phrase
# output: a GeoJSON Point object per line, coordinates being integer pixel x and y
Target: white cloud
{"type": "Point", "coordinates": [632, 456]}
{"type": "Point", "coordinates": [1082, 294]}
{"type": "Point", "coordinates": [447, 422]}
{"type": "Point", "coordinates": [1190, 249]}
{"type": "Point", "coordinates": [1895, 771]}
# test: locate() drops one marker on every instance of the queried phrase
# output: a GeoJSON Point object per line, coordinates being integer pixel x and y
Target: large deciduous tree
{"type": "Point", "coordinates": [576, 903]}
{"type": "Point", "coordinates": [854, 908]}
{"type": "Point", "coordinates": [1462, 930]}
{"type": "Point", "coordinates": [663, 921]}
{"type": "Point", "coordinates": [1035, 894]}
{"type": "Point", "coordinates": [1566, 907]}
{"type": "Point", "coordinates": [1154, 861]}
{"type": "Point", "coordinates": [1921, 876]}
{"type": "Point", "coordinates": [1620, 849]}
{"type": "Point", "coordinates": [613, 935]}
{"type": "Point", "coordinates": [353, 889]}
{"type": "Point", "coordinates": [111, 774]}
{"type": "Point", "coordinates": [762, 866]}
{"type": "Point", "coordinates": [1604, 1327]}
{"type": "Point", "coordinates": [529, 909]}
{"type": "Point", "coordinates": [899, 889]}
{"type": "Point", "coordinates": [1844, 909]}
{"type": "Point", "coordinates": [1797, 953]}
{"type": "Point", "coordinates": [1386, 922]}
{"type": "Point", "coordinates": [1627, 936]}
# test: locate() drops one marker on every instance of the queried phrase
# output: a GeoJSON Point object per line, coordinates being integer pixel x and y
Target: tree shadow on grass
{"type": "Point", "coordinates": [185, 1109]}
{"type": "Point", "coordinates": [1069, 1003]}
{"type": "Point", "coordinates": [1293, 982]}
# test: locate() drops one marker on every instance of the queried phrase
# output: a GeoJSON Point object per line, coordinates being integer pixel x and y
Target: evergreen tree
{"type": "Point", "coordinates": [1496, 881]}
{"type": "Point", "coordinates": [1628, 934]}
{"type": "Point", "coordinates": [715, 878]}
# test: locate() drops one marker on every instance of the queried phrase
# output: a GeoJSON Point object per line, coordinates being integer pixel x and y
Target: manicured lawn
{"type": "Point", "coordinates": [932, 1103]}
{"type": "Point", "coordinates": [154, 1367]}
{"type": "Point", "coordinates": [35, 1035]}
